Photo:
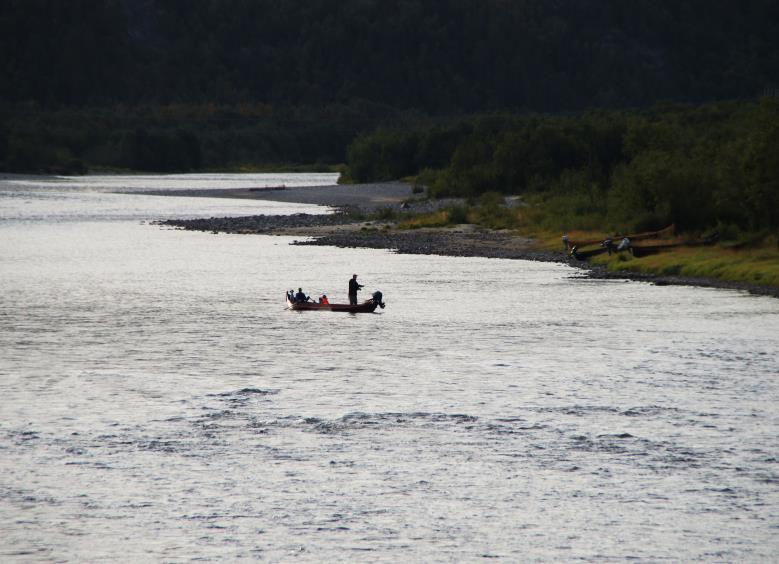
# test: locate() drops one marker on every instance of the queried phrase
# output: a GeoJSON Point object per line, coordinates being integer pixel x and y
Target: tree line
{"type": "Point", "coordinates": [701, 167]}
{"type": "Point", "coordinates": [179, 138]}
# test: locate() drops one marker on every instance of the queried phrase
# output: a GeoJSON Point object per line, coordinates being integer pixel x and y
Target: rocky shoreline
{"type": "Point", "coordinates": [344, 230]}
{"type": "Point", "coordinates": [259, 224]}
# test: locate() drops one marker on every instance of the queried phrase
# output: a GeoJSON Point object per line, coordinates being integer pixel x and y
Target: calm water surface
{"type": "Point", "coordinates": [158, 403]}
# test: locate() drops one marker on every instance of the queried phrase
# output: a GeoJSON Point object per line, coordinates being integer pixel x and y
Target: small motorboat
{"type": "Point", "coordinates": [368, 306]}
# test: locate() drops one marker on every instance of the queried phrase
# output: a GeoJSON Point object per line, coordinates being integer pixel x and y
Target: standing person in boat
{"type": "Point", "coordinates": [354, 287]}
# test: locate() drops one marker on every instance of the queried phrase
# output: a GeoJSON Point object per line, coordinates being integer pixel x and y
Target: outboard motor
{"type": "Point", "coordinates": [377, 297]}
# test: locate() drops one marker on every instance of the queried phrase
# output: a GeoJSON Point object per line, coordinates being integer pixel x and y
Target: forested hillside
{"type": "Point", "coordinates": [186, 84]}
{"type": "Point", "coordinates": [449, 55]}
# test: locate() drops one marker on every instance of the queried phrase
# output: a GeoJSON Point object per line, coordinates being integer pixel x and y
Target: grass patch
{"type": "Point", "coordinates": [757, 263]}
{"type": "Point", "coordinates": [754, 266]}
{"type": "Point", "coordinates": [487, 217]}
{"type": "Point", "coordinates": [385, 214]}
{"type": "Point", "coordinates": [434, 219]}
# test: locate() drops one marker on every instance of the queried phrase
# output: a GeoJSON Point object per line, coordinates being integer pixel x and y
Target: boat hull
{"type": "Point", "coordinates": [659, 234]}
{"type": "Point", "coordinates": [368, 306]}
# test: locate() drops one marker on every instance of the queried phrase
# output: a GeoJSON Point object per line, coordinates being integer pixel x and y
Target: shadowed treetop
{"type": "Point", "coordinates": [447, 56]}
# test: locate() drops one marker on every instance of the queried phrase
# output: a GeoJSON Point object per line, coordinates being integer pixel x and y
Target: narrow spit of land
{"type": "Point", "coordinates": [348, 228]}
{"type": "Point", "coordinates": [367, 197]}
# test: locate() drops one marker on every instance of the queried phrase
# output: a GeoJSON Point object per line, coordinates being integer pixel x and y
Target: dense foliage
{"type": "Point", "coordinates": [449, 55]}
{"type": "Point", "coordinates": [696, 166]}
{"type": "Point", "coordinates": [178, 137]}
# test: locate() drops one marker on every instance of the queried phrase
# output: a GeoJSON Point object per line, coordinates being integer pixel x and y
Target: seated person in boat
{"type": "Point", "coordinates": [323, 299]}
{"type": "Point", "coordinates": [300, 297]}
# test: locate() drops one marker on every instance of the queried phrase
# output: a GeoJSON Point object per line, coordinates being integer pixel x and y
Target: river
{"type": "Point", "coordinates": [157, 402]}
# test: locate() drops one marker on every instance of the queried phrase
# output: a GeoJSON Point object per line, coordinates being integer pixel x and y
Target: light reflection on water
{"type": "Point", "coordinates": [147, 182]}
{"type": "Point", "coordinates": [93, 198]}
{"type": "Point", "coordinates": [159, 403]}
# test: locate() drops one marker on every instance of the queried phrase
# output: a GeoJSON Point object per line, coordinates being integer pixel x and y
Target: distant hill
{"type": "Point", "coordinates": [446, 56]}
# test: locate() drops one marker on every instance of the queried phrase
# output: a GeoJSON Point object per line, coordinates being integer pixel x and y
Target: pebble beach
{"type": "Point", "coordinates": [346, 228]}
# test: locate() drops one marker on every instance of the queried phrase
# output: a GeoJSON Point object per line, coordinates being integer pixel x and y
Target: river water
{"type": "Point", "coordinates": [157, 402]}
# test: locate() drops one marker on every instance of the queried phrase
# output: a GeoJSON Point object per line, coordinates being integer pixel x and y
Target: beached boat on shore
{"type": "Point", "coordinates": [368, 306]}
{"type": "Point", "coordinates": [659, 234]}
{"type": "Point", "coordinates": [639, 251]}
{"type": "Point", "coordinates": [647, 250]}
{"type": "Point", "coordinates": [583, 255]}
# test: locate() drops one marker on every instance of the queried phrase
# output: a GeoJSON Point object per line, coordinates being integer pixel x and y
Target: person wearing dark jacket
{"type": "Point", "coordinates": [300, 297]}
{"type": "Point", "coordinates": [354, 287]}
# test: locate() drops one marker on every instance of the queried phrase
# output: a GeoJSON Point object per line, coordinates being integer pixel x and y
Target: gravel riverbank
{"type": "Point", "coordinates": [343, 230]}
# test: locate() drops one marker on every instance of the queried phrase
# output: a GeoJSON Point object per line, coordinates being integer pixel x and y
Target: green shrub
{"type": "Point", "coordinates": [458, 215]}
{"type": "Point", "coordinates": [385, 214]}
